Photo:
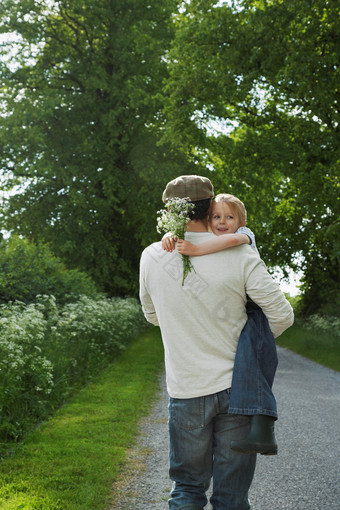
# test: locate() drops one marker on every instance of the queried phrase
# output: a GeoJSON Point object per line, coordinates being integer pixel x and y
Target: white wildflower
{"type": "Point", "coordinates": [174, 218]}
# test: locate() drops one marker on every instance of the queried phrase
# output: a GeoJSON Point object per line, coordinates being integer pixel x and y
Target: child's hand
{"type": "Point", "coordinates": [185, 248]}
{"type": "Point", "coordinates": [168, 242]}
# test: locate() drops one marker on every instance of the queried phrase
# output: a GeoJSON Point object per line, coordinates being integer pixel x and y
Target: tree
{"type": "Point", "coordinates": [82, 111]}
{"type": "Point", "coordinates": [254, 93]}
{"type": "Point", "coordinates": [28, 270]}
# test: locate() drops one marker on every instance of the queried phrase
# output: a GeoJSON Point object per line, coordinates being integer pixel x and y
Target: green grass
{"type": "Point", "coordinates": [71, 461]}
{"type": "Point", "coordinates": [321, 347]}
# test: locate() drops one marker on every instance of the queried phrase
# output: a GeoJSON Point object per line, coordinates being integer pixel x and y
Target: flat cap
{"type": "Point", "coordinates": [194, 187]}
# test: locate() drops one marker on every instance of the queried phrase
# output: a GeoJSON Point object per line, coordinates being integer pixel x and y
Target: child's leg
{"type": "Point", "coordinates": [251, 393]}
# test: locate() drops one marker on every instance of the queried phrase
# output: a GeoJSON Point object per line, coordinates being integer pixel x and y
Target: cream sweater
{"type": "Point", "coordinates": [201, 321]}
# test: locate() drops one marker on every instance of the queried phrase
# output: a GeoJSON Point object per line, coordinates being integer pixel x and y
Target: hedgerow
{"type": "Point", "coordinates": [326, 324]}
{"type": "Point", "coordinates": [48, 350]}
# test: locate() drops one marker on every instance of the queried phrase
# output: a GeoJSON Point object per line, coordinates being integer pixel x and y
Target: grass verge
{"type": "Point", "coordinates": [70, 462]}
{"type": "Point", "coordinates": [321, 347]}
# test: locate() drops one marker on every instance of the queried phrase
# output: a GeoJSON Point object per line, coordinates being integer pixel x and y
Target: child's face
{"type": "Point", "coordinates": [223, 220]}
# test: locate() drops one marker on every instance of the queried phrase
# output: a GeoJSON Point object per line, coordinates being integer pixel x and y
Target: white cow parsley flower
{"type": "Point", "coordinates": [174, 218]}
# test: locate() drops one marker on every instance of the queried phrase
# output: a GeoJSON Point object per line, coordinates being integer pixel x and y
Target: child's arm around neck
{"type": "Point", "coordinates": [218, 243]}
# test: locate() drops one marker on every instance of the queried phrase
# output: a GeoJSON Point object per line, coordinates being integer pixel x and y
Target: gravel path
{"type": "Point", "coordinates": [303, 476]}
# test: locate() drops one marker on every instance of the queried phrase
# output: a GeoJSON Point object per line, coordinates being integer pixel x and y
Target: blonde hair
{"type": "Point", "coordinates": [236, 205]}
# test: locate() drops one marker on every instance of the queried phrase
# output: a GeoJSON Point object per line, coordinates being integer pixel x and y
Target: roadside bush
{"type": "Point", "coordinates": [89, 332]}
{"type": "Point", "coordinates": [27, 270]}
{"type": "Point", "coordinates": [47, 351]}
{"type": "Point", "coordinates": [323, 324]}
{"type": "Point", "coordinates": [26, 375]}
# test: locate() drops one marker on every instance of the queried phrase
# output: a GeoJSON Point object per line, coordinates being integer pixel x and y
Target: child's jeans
{"type": "Point", "coordinates": [254, 367]}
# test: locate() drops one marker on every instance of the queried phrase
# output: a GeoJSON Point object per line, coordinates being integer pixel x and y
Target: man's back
{"type": "Point", "coordinates": [201, 321]}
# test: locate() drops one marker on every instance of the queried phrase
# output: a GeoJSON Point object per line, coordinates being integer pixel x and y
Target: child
{"type": "Point", "coordinates": [256, 357]}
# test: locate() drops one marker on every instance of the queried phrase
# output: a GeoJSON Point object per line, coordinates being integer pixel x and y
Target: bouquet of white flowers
{"type": "Point", "coordinates": [174, 218]}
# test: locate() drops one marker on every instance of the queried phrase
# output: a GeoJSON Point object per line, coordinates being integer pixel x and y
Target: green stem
{"type": "Point", "coordinates": [187, 267]}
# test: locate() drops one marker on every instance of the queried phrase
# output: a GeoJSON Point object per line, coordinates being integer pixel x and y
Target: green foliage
{"type": "Point", "coordinates": [326, 325]}
{"type": "Point", "coordinates": [26, 375]}
{"type": "Point", "coordinates": [103, 102]}
{"type": "Point", "coordinates": [27, 270]}
{"type": "Point", "coordinates": [293, 300]}
{"type": "Point", "coordinates": [70, 462]}
{"type": "Point", "coordinates": [47, 350]}
{"type": "Point", "coordinates": [261, 111]}
{"type": "Point", "coordinates": [82, 115]}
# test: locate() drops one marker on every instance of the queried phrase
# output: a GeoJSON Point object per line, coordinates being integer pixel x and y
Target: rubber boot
{"type": "Point", "coordinates": [191, 506]}
{"type": "Point", "coordinates": [260, 438]}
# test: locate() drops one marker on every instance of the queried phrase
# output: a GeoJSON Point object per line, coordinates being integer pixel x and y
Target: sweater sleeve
{"type": "Point", "coordinates": [145, 298]}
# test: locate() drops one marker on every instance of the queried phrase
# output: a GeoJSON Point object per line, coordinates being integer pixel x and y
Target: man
{"type": "Point", "coordinates": [200, 324]}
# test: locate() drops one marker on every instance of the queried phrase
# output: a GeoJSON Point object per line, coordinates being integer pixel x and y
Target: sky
{"type": "Point", "coordinates": [290, 286]}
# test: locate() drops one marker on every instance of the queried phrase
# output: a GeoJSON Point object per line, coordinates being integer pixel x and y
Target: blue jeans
{"type": "Point", "coordinates": [200, 432]}
{"type": "Point", "coordinates": [254, 367]}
